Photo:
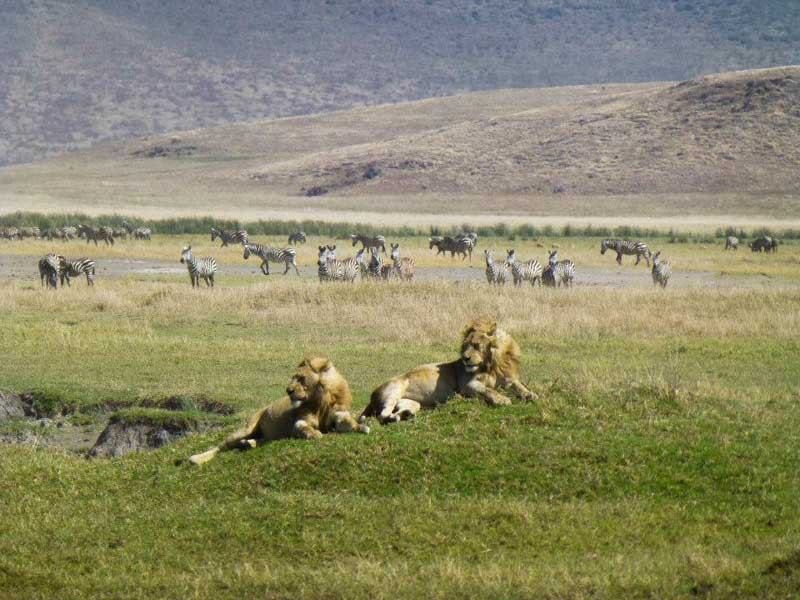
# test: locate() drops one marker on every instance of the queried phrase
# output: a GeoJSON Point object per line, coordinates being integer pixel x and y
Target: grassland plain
{"type": "Point", "coordinates": [659, 462]}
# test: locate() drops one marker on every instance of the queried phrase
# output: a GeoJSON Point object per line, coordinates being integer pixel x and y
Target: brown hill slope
{"type": "Point", "coordinates": [726, 144]}
{"type": "Point", "coordinates": [736, 131]}
{"type": "Point", "coordinates": [78, 71]}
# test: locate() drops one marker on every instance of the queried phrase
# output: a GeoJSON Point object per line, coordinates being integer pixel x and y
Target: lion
{"type": "Point", "coordinates": [489, 360]}
{"type": "Point", "coordinates": [318, 401]}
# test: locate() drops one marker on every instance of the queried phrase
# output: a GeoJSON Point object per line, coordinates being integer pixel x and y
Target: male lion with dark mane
{"type": "Point", "coordinates": [489, 361]}
{"type": "Point", "coordinates": [318, 401]}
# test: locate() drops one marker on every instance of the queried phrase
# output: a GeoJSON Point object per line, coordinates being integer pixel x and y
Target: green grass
{"type": "Point", "coordinates": [659, 462]}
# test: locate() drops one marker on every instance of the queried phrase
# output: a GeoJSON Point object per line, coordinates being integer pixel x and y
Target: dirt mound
{"type": "Point", "coordinates": [138, 430]}
{"type": "Point", "coordinates": [12, 407]}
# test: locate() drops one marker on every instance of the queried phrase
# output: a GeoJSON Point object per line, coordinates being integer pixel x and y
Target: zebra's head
{"type": "Point", "coordinates": [375, 261]}
{"type": "Point", "coordinates": [434, 241]}
{"type": "Point", "coordinates": [553, 257]}
{"type": "Point", "coordinates": [355, 238]}
{"type": "Point", "coordinates": [186, 254]}
{"type": "Point", "coordinates": [246, 254]}
{"type": "Point", "coordinates": [214, 233]}
{"type": "Point", "coordinates": [489, 256]}
{"type": "Point", "coordinates": [603, 246]}
{"type": "Point", "coordinates": [656, 259]}
{"type": "Point", "coordinates": [395, 255]}
{"type": "Point", "coordinates": [512, 256]}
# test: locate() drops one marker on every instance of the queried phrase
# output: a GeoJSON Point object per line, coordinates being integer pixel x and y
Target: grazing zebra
{"type": "Point", "coordinates": [76, 268]}
{"type": "Point", "coordinates": [639, 249]}
{"type": "Point", "coordinates": [731, 243]}
{"type": "Point", "coordinates": [29, 232]}
{"type": "Point", "coordinates": [496, 272]}
{"type": "Point", "coordinates": [462, 246]}
{"type": "Point", "coordinates": [101, 233]}
{"type": "Point", "coordinates": [48, 270]}
{"type": "Point", "coordinates": [369, 242]}
{"type": "Point", "coordinates": [9, 233]}
{"type": "Point", "coordinates": [142, 233]}
{"type": "Point", "coordinates": [661, 270]}
{"type": "Point", "coordinates": [203, 267]}
{"type": "Point", "coordinates": [228, 237]}
{"type": "Point", "coordinates": [63, 233]}
{"type": "Point", "coordinates": [298, 237]}
{"type": "Point", "coordinates": [558, 272]}
{"type": "Point", "coordinates": [331, 269]}
{"type": "Point", "coordinates": [762, 244]}
{"type": "Point", "coordinates": [402, 267]}
{"type": "Point", "coordinates": [287, 256]}
{"type": "Point", "coordinates": [524, 271]}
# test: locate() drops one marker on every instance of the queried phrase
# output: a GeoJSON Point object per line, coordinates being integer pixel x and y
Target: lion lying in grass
{"type": "Point", "coordinates": [318, 401]}
{"type": "Point", "coordinates": [489, 360]}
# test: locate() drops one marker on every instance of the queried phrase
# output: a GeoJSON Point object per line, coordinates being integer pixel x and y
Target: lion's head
{"type": "Point", "coordinates": [487, 349]}
{"type": "Point", "coordinates": [315, 383]}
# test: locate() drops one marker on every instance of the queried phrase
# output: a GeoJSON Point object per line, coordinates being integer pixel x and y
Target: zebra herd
{"type": "Point", "coordinates": [54, 268]}
{"type": "Point", "coordinates": [103, 233]}
{"type": "Point", "coordinates": [368, 262]}
{"type": "Point", "coordinates": [556, 274]}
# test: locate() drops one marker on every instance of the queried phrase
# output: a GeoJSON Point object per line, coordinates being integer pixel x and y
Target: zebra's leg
{"type": "Point", "coordinates": [619, 258]}
{"type": "Point", "coordinates": [638, 259]}
{"type": "Point", "coordinates": [296, 270]}
{"type": "Point", "coordinates": [287, 265]}
{"type": "Point", "coordinates": [89, 278]}
{"type": "Point", "coordinates": [344, 422]}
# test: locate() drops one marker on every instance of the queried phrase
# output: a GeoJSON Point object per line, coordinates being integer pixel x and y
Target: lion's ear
{"type": "Point", "coordinates": [304, 363]}
{"type": "Point", "coordinates": [325, 364]}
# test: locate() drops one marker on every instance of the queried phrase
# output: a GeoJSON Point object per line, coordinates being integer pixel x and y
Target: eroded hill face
{"type": "Point", "coordinates": [78, 71]}
{"type": "Point", "coordinates": [719, 133]}
{"type": "Point", "coordinates": [725, 144]}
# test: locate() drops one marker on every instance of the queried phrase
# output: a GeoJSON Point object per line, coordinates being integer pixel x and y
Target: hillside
{"type": "Point", "coordinates": [77, 72]}
{"type": "Point", "coordinates": [723, 144]}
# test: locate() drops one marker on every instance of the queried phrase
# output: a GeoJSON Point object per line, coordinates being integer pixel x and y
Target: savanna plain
{"type": "Point", "coordinates": [659, 461]}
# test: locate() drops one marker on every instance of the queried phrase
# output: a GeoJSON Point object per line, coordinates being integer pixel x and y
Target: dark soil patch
{"type": "Point", "coordinates": [784, 566]}
{"type": "Point", "coordinates": [137, 430]}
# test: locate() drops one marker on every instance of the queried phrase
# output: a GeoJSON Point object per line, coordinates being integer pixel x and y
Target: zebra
{"type": "Point", "coordinates": [142, 233]}
{"type": "Point", "coordinates": [361, 261]}
{"type": "Point", "coordinates": [331, 269]}
{"type": "Point", "coordinates": [661, 270]}
{"type": "Point", "coordinates": [496, 272]}
{"type": "Point", "coordinates": [30, 232]}
{"type": "Point", "coordinates": [524, 271]}
{"type": "Point", "coordinates": [376, 266]}
{"type": "Point", "coordinates": [462, 246]}
{"type": "Point", "coordinates": [762, 244]}
{"type": "Point", "coordinates": [91, 234]}
{"type": "Point", "coordinates": [639, 249]}
{"type": "Point", "coordinates": [63, 233]}
{"type": "Point", "coordinates": [120, 233]}
{"type": "Point", "coordinates": [227, 237]}
{"type": "Point", "coordinates": [732, 243]}
{"type": "Point", "coordinates": [48, 270]}
{"type": "Point", "coordinates": [558, 272]}
{"type": "Point", "coordinates": [203, 267]}
{"type": "Point", "coordinates": [402, 267]}
{"type": "Point", "coordinates": [9, 233]}
{"type": "Point", "coordinates": [369, 242]}
{"type": "Point", "coordinates": [298, 237]}
{"type": "Point", "coordinates": [268, 254]}
{"type": "Point", "coordinates": [75, 268]}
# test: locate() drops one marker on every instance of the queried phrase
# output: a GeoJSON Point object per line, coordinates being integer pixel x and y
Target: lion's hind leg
{"type": "Point", "coordinates": [406, 409]}
{"type": "Point", "coordinates": [345, 423]}
{"type": "Point", "coordinates": [244, 439]}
